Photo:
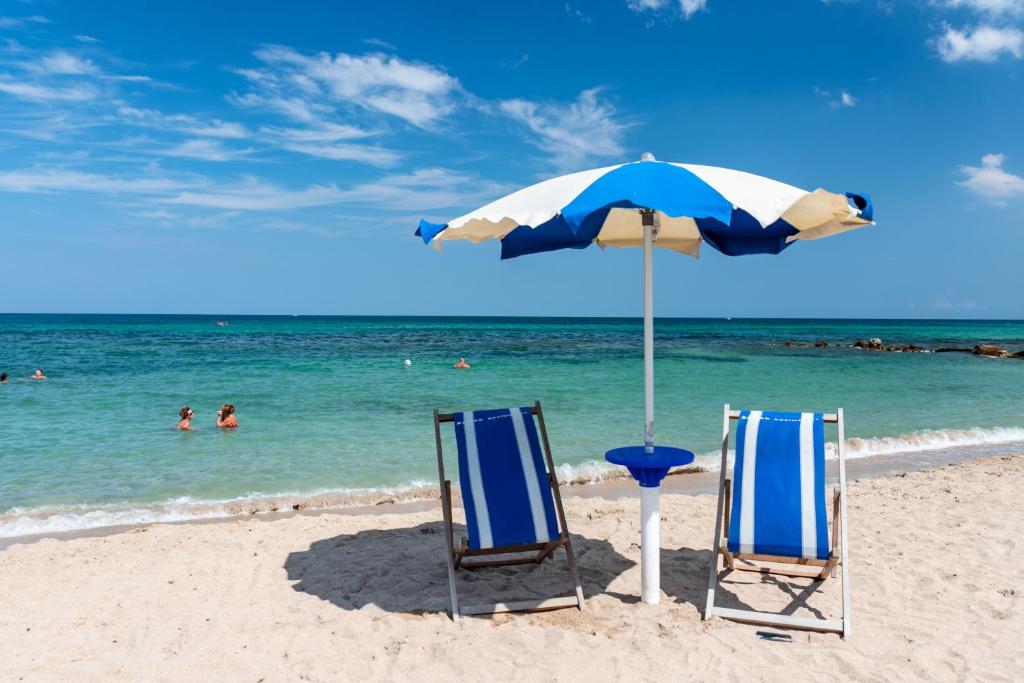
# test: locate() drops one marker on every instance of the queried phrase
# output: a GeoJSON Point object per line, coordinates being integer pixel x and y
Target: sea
{"type": "Point", "coordinates": [337, 411]}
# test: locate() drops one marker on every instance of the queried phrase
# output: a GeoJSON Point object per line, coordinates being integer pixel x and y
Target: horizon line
{"type": "Point", "coordinates": [506, 316]}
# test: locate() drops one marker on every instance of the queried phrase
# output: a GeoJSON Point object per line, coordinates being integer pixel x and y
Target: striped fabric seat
{"type": "Point", "coordinates": [778, 504]}
{"type": "Point", "coordinates": [505, 489]}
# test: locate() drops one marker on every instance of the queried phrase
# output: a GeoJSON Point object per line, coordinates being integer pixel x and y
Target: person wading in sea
{"type": "Point", "coordinates": [226, 417]}
{"type": "Point", "coordinates": [186, 415]}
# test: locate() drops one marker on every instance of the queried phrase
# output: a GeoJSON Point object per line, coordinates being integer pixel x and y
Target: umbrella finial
{"type": "Point", "coordinates": [647, 156]}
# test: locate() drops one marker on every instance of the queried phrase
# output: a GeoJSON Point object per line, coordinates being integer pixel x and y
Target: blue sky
{"type": "Point", "coordinates": [264, 157]}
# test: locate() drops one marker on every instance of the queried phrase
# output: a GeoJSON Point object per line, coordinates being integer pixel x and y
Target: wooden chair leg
{"type": "Point", "coordinates": [830, 568]}
{"type": "Point", "coordinates": [726, 555]}
{"type": "Point", "coordinates": [460, 552]}
{"type": "Point", "coordinates": [548, 550]}
{"type": "Point", "coordinates": [574, 572]}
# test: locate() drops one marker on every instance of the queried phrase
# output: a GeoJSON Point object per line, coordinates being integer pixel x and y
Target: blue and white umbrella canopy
{"type": "Point", "coordinates": [737, 213]}
{"type": "Point", "coordinates": [655, 204]}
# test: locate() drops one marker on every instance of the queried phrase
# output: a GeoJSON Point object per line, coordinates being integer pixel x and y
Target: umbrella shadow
{"type": "Point", "coordinates": [684, 576]}
{"type": "Point", "coordinates": [404, 571]}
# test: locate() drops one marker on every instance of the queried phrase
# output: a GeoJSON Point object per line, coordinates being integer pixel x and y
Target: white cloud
{"type": "Point", "coordinates": [45, 180]}
{"type": "Point", "coordinates": [44, 93]}
{"type": "Point", "coordinates": [182, 123]}
{"type": "Point", "coordinates": [324, 131]}
{"type": "Point", "coordinates": [83, 38]}
{"type": "Point", "coordinates": [368, 154]}
{"type": "Point", "coordinates": [329, 140]}
{"type": "Point", "coordinates": [19, 22]}
{"type": "Point", "coordinates": [980, 44]}
{"type": "Point", "coordinates": [332, 101]}
{"type": "Point", "coordinates": [426, 188]}
{"type": "Point", "coordinates": [377, 42]}
{"type": "Point", "coordinates": [294, 108]}
{"type": "Point", "coordinates": [205, 149]}
{"type": "Point", "coordinates": [65, 64]}
{"type": "Point", "coordinates": [59, 76]}
{"type": "Point", "coordinates": [844, 99]}
{"type": "Point", "coordinates": [571, 133]}
{"type": "Point", "coordinates": [421, 190]}
{"type": "Point", "coordinates": [991, 181]}
{"type": "Point", "coordinates": [687, 7]}
{"type": "Point", "coordinates": [992, 7]}
{"type": "Point", "coordinates": [691, 7]}
{"type": "Point", "coordinates": [420, 94]}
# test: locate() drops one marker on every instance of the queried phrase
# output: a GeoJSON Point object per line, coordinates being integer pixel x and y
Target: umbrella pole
{"type": "Point", "coordinates": [650, 514]}
{"type": "Point", "coordinates": [649, 220]}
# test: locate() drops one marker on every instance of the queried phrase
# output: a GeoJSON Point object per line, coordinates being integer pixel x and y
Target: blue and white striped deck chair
{"type": "Point", "coordinates": [511, 499]}
{"type": "Point", "coordinates": [776, 512]}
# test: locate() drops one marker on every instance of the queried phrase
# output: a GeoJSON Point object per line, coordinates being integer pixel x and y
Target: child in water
{"type": "Point", "coordinates": [186, 415]}
{"type": "Point", "coordinates": [226, 417]}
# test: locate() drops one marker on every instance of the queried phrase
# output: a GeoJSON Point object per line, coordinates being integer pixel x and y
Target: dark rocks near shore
{"type": "Point", "coordinates": [875, 344]}
{"type": "Point", "coordinates": [991, 350]}
{"type": "Point", "coordinates": [907, 348]}
{"type": "Point", "coordinates": [987, 350]}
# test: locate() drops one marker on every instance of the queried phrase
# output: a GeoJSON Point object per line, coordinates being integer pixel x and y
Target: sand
{"type": "Point", "coordinates": [936, 587]}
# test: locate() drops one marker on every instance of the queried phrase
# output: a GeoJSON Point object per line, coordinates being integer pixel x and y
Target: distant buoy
{"type": "Point", "coordinates": [408, 363]}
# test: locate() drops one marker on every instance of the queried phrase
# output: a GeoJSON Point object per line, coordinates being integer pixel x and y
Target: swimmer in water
{"type": "Point", "coordinates": [461, 365]}
{"type": "Point", "coordinates": [3, 378]}
{"type": "Point", "coordinates": [226, 417]}
{"type": "Point", "coordinates": [185, 423]}
{"type": "Point", "coordinates": [38, 375]}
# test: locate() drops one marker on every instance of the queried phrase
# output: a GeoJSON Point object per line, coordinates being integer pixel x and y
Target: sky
{"type": "Point", "coordinates": [264, 157]}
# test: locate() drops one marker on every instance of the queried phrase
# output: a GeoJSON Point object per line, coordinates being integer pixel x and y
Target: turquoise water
{"type": "Point", "coordinates": [327, 408]}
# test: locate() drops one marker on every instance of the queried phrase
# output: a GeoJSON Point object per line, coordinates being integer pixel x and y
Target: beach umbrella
{"type": "Point", "coordinates": [649, 204]}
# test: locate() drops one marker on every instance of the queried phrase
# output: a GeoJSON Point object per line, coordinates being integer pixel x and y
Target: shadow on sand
{"type": "Point", "coordinates": [404, 570]}
{"type": "Point", "coordinates": [684, 576]}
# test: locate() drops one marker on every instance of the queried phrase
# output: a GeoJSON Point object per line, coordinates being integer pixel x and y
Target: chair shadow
{"type": "Point", "coordinates": [684, 576]}
{"type": "Point", "coordinates": [404, 571]}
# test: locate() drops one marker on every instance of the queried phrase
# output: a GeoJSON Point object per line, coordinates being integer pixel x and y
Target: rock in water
{"type": "Point", "coordinates": [991, 350]}
{"type": "Point", "coordinates": [821, 344]}
{"type": "Point", "coordinates": [909, 348]}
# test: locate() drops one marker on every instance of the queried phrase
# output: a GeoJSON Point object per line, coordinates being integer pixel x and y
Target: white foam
{"type": "Point", "coordinates": [930, 440]}
{"type": "Point", "coordinates": [53, 519]}
{"type": "Point", "coordinates": [46, 520]}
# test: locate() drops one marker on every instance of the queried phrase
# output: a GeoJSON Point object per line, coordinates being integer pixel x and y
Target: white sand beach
{"type": "Point", "coordinates": [936, 595]}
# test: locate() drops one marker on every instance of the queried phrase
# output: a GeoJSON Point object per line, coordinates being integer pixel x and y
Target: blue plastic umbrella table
{"type": "Point", "coordinates": [651, 204]}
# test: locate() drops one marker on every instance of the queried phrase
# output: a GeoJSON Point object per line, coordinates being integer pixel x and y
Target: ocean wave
{"type": "Point", "coordinates": [54, 519]}
{"type": "Point", "coordinates": [929, 440]}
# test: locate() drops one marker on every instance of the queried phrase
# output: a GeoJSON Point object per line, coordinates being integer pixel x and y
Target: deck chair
{"type": "Point", "coordinates": [774, 519]}
{"type": "Point", "coordinates": [511, 499]}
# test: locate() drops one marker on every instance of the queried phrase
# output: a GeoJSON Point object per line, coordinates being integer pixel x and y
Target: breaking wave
{"type": "Point", "coordinates": [47, 520]}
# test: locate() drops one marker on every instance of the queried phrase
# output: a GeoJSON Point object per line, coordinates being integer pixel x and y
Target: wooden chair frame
{"type": "Point", "coordinates": [457, 554]}
{"type": "Point", "coordinates": [818, 570]}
